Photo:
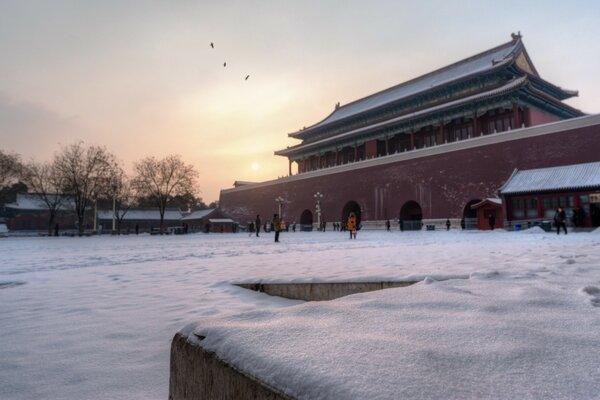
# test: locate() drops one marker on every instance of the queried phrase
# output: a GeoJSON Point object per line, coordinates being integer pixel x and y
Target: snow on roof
{"type": "Point", "coordinates": [577, 176]}
{"type": "Point", "coordinates": [32, 201]}
{"type": "Point", "coordinates": [142, 215]}
{"type": "Point", "coordinates": [493, 200]}
{"type": "Point", "coordinates": [198, 214]}
{"type": "Point", "coordinates": [221, 221]}
{"type": "Point", "coordinates": [479, 63]}
{"type": "Point", "coordinates": [515, 83]}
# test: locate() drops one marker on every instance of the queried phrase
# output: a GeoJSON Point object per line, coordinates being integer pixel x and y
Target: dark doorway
{"type": "Point", "coordinates": [306, 221]}
{"type": "Point", "coordinates": [351, 206]}
{"type": "Point", "coordinates": [469, 219]}
{"type": "Point", "coordinates": [595, 214]}
{"type": "Point", "coordinates": [411, 216]}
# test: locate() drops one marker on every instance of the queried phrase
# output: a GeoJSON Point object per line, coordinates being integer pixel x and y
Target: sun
{"type": "Point", "coordinates": [255, 166]}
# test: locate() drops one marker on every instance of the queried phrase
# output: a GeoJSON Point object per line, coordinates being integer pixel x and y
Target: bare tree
{"type": "Point", "coordinates": [44, 181]}
{"type": "Point", "coordinates": [123, 195]}
{"type": "Point", "coordinates": [10, 167]}
{"type": "Point", "coordinates": [164, 179]}
{"type": "Point", "coordinates": [84, 172]}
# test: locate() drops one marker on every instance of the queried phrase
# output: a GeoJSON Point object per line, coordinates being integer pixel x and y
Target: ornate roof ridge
{"type": "Point", "coordinates": [515, 45]}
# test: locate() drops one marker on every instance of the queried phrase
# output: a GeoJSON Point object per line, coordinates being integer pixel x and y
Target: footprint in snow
{"type": "Point", "coordinates": [594, 294]}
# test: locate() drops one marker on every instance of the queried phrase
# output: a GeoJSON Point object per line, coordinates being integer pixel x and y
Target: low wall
{"type": "Point", "coordinates": [200, 374]}
{"type": "Point", "coordinates": [320, 291]}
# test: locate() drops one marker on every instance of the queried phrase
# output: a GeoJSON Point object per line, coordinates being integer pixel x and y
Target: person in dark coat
{"type": "Point", "coordinates": [492, 221]}
{"type": "Point", "coordinates": [387, 225]}
{"type": "Point", "coordinates": [448, 224]}
{"type": "Point", "coordinates": [560, 218]}
{"type": "Point", "coordinates": [56, 229]}
{"type": "Point", "coordinates": [276, 223]}
{"type": "Point", "coordinates": [257, 224]}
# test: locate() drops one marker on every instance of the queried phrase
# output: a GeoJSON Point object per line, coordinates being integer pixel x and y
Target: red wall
{"type": "Point", "coordinates": [533, 116]}
{"type": "Point", "coordinates": [442, 184]}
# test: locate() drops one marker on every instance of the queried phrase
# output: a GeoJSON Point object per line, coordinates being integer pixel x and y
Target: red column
{"type": "Point", "coordinates": [387, 145]}
{"type": "Point", "coordinates": [476, 130]}
{"type": "Point", "coordinates": [515, 116]}
{"type": "Point", "coordinates": [290, 167]}
{"type": "Point", "coordinates": [442, 133]}
{"type": "Point", "coordinates": [371, 149]}
{"type": "Point", "coordinates": [355, 152]}
{"type": "Point", "coordinates": [412, 140]}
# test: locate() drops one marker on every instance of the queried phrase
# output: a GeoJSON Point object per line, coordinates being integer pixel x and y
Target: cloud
{"type": "Point", "coordinates": [33, 126]}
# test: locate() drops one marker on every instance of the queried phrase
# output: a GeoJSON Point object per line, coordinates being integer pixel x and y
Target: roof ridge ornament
{"type": "Point", "coordinates": [516, 36]}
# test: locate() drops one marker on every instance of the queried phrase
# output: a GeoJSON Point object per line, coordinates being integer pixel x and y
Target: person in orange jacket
{"type": "Point", "coordinates": [351, 225]}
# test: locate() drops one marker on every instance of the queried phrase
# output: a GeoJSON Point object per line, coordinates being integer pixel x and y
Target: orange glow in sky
{"type": "Point", "coordinates": [141, 78]}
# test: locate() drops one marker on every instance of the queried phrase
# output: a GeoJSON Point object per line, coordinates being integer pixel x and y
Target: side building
{"type": "Point", "coordinates": [427, 149]}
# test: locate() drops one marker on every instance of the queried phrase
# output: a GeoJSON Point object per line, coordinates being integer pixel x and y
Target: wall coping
{"type": "Point", "coordinates": [475, 142]}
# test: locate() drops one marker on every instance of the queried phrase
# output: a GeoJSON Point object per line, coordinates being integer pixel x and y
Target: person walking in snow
{"type": "Point", "coordinates": [276, 226]}
{"type": "Point", "coordinates": [257, 223]}
{"type": "Point", "coordinates": [559, 220]}
{"type": "Point", "coordinates": [351, 225]}
{"type": "Point", "coordinates": [448, 224]}
{"type": "Point", "coordinates": [387, 225]}
{"type": "Point", "coordinates": [492, 221]}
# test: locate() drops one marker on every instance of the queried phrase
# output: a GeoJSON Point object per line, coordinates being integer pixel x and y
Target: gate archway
{"type": "Point", "coordinates": [469, 219]}
{"type": "Point", "coordinates": [354, 207]}
{"type": "Point", "coordinates": [411, 216]}
{"type": "Point", "coordinates": [306, 221]}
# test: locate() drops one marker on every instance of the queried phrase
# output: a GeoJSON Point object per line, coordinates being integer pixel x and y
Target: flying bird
{"type": "Point", "coordinates": [247, 76]}
{"type": "Point", "coordinates": [224, 64]}
{"type": "Point", "coordinates": [212, 45]}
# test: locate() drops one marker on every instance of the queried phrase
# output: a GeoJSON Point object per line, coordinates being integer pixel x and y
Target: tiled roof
{"type": "Point", "coordinates": [514, 84]}
{"type": "Point", "coordinates": [488, 60]}
{"type": "Point", "coordinates": [577, 176]}
{"type": "Point", "coordinates": [32, 201]}
{"type": "Point", "coordinates": [142, 215]}
{"type": "Point", "coordinates": [198, 214]}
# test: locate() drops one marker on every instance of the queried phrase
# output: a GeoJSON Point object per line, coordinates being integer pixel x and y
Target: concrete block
{"type": "Point", "coordinates": [197, 374]}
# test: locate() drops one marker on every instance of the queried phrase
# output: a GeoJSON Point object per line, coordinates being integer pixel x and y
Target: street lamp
{"type": "Point", "coordinates": [95, 194]}
{"type": "Point", "coordinates": [114, 186]}
{"type": "Point", "coordinates": [279, 201]}
{"type": "Point", "coordinates": [318, 196]}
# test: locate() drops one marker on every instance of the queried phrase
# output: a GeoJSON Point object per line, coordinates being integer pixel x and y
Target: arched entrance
{"type": "Point", "coordinates": [411, 216]}
{"type": "Point", "coordinates": [469, 219]}
{"type": "Point", "coordinates": [351, 206]}
{"type": "Point", "coordinates": [306, 221]}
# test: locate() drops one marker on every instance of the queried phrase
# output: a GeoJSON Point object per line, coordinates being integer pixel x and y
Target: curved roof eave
{"type": "Point", "coordinates": [511, 86]}
{"type": "Point", "coordinates": [515, 46]}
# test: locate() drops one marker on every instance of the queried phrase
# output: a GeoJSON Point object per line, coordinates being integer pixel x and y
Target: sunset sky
{"type": "Point", "coordinates": [140, 77]}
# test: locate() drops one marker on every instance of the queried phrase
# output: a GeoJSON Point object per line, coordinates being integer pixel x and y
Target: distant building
{"type": "Point", "coordinates": [30, 214]}
{"type": "Point", "coordinates": [147, 220]}
{"type": "Point", "coordinates": [210, 220]}
{"type": "Point", "coordinates": [427, 149]}
{"type": "Point", "coordinates": [532, 196]}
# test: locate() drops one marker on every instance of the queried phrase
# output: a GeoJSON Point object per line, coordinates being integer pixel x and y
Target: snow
{"type": "Point", "coordinates": [140, 215]}
{"type": "Point", "coordinates": [497, 314]}
{"type": "Point", "coordinates": [576, 176]}
{"type": "Point", "coordinates": [477, 64]}
{"type": "Point", "coordinates": [32, 201]}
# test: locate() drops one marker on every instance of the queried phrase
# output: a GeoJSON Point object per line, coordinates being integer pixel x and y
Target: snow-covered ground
{"type": "Point", "coordinates": [517, 317]}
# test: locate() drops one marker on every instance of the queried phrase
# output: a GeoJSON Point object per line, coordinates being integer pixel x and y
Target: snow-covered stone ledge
{"type": "Point", "coordinates": [199, 374]}
{"type": "Point", "coordinates": [321, 291]}
{"type": "Point", "coordinates": [497, 335]}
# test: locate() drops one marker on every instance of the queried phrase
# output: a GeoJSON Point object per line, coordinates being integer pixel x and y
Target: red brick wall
{"type": "Point", "coordinates": [442, 184]}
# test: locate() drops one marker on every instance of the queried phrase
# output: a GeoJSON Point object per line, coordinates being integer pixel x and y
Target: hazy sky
{"type": "Point", "coordinates": [140, 77]}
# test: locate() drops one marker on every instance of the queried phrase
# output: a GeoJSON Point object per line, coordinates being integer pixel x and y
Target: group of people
{"type": "Point", "coordinates": [275, 226]}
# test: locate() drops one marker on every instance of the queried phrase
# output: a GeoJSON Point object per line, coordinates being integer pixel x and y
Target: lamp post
{"type": "Point", "coordinates": [95, 210]}
{"type": "Point", "coordinates": [279, 201]}
{"type": "Point", "coordinates": [114, 186]}
{"type": "Point", "coordinates": [318, 196]}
